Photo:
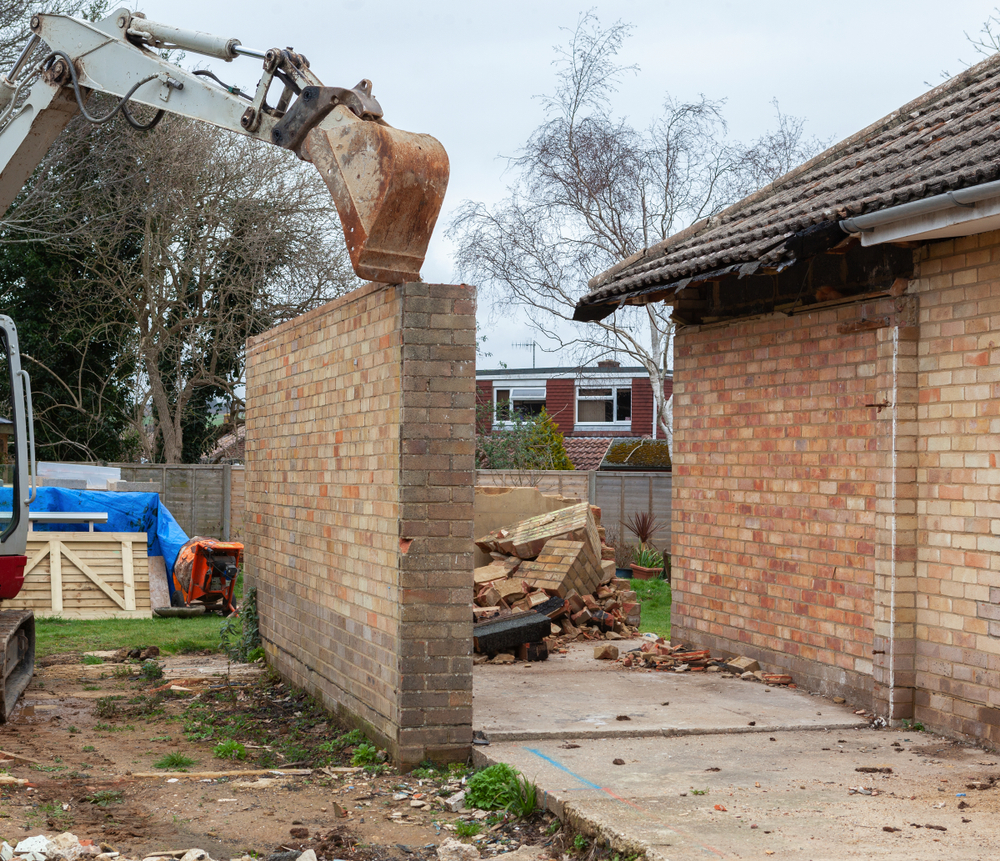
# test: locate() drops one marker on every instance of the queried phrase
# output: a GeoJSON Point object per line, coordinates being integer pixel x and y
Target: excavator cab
{"type": "Point", "coordinates": [17, 627]}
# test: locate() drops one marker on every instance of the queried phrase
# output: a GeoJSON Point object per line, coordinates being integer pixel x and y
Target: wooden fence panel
{"type": "Point", "coordinates": [620, 494]}
{"type": "Point", "coordinates": [564, 482]}
{"type": "Point", "coordinates": [85, 575]}
{"type": "Point", "coordinates": [205, 499]}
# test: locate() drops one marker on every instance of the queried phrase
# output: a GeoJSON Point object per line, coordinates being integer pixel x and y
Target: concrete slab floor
{"type": "Point", "coordinates": [783, 785]}
{"type": "Point", "coordinates": [573, 694]}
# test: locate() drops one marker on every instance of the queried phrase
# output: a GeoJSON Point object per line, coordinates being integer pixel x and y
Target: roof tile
{"type": "Point", "coordinates": [945, 140]}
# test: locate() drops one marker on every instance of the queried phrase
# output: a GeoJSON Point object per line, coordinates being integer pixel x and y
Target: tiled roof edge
{"type": "Point", "coordinates": [952, 84]}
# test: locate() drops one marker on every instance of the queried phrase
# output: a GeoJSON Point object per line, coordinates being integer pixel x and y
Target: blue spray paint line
{"type": "Point", "coordinates": [562, 767]}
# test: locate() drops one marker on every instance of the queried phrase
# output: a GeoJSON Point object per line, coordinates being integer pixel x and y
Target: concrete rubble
{"type": "Point", "coordinates": [551, 580]}
{"type": "Point", "coordinates": [69, 847]}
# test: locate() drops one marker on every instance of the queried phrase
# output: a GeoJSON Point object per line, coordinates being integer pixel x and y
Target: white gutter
{"type": "Point", "coordinates": [953, 213]}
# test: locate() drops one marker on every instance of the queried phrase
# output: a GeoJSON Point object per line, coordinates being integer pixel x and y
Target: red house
{"type": "Point", "coordinates": [604, 401]}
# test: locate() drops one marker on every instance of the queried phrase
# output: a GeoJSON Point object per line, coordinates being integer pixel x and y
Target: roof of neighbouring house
{"type": "Point", "coordinates": [230, 447]}
{"type": "Point", "coordinates": [637, 454]}
{"type": "Point", "coordinates": [947, 139]}
{"type": "Point", "coordinates": [586, 452]}
{"type": "Point", "coordinates": [568, 372]}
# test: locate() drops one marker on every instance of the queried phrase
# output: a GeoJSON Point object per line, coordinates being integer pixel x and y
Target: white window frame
{"type": "Point", "coordinates": [528, 391]}
{"type": "Point", "coordinates": [615, 387]}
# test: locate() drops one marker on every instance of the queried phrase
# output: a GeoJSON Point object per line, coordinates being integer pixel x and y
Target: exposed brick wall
{"type": "Point", "coordinates": [642, 406]}
{"type": "Point", "coordinates": [360, 508]}
{"type": "Point", "coordinates": [776, 470]}
{"type": "Point", "coordinates": [560, 403]}
{"type": "Point", "coordinates": [958, 602]}
{"type": "Point", "coordinates": [484, 404]}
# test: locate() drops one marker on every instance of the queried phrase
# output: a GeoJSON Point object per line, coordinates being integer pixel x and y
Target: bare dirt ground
{"type": "Point", "coordinates": [85, 736]}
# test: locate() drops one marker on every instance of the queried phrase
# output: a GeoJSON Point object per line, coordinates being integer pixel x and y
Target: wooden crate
{"type": "Point", "coordinates": [85, 575]}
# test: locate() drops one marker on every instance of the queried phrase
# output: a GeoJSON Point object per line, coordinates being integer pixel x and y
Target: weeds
{"type": "Point", "coordinates": [467, 829]}
{"type": "Point", "coordinates": [580, 843]}
{"type": "Point", "coordinates": [240, 635]}
{"type": "Point", "coordinates": [364, 754]}
{"type": "Point", "coordinates": [500, 787]}
{"type": "Point", "coordinates": [174, 762]}
{"type": "Point", "coordinates": [105, 797]}
{"type": "Point", "coordinates": [151, 671]}
{"type": "Point", "coordinates": [699, 792]}
{"type": "Point", "coordinates": [349, 739]}
{"type": "Point", "coordinates": [230, 749]}
{"type": "Point", "coordinates": [108, 707]}
{"type": "Point", "coordinates": [91, 660]}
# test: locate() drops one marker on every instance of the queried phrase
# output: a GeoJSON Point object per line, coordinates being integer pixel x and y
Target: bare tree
{"type": "Point", "coordinates": [194, 239]}
{"type": "Point", "coordinates": [15, 16]}
{"type": "Point", "coordinates": [591, 190]}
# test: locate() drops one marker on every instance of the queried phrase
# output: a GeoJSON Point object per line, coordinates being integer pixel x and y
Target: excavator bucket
{"type": "Point", "coordinates": [388, 186]}
{"type": "Point", "coordinates": [17, 645]}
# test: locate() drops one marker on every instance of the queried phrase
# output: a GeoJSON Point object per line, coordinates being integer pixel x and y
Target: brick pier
{"type": "Point", "coordinates": [360, 456]}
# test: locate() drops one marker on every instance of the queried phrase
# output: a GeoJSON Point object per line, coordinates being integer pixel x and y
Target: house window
{"type": "Point", "coordinates": [604, 406]}
{"type": "Point", "coordinates": [521, 402]}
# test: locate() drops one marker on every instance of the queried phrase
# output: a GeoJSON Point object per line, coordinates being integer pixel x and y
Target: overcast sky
{"type": "Point", "coordinates": [466, 71]}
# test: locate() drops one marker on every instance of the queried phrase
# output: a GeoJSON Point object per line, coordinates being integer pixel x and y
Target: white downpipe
{"type": "Point", "coordinates": [892, 521]}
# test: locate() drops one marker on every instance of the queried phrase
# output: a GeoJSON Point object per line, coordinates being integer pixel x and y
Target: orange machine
{"type": "Point", "coordinates": [205, 573]}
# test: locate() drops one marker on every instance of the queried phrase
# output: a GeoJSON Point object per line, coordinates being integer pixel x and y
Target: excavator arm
{"type": "Point", "coordinates": [388, 185]}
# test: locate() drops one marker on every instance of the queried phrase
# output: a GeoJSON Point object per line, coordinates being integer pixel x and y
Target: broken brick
{"type": "Point", "coordinates": [563, 565]}
{"type": "Point", "coordinates": [527, 538]}
{"type": "Point", "coordinates": [533, 651]}
{"type": "Point", "coordinates": [741, 664]}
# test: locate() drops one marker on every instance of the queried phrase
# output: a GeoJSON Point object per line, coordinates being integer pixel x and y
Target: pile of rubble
{"type": "Point", "coordinates": [552, 580]}
{"type": "Point", "coordinates": [657, 654]}
{"type": "Point", "coordinates": [68, 847]}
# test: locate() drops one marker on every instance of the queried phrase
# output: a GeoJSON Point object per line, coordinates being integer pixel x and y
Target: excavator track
{"type": "Point", "coordinates": [17, 645]}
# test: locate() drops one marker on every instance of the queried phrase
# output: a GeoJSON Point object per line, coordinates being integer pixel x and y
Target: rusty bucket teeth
{"type": "Point", "coordinates": [17, 647]}
{"type": "Point", "coordinates": [388, 186]}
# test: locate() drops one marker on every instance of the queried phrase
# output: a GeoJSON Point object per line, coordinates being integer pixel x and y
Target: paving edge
{"type": "Point", "coordinates": [500, 736]}
{"type": "Point", "coordinates": [568, 813]}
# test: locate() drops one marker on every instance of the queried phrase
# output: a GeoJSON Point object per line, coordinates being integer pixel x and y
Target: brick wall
{"type": "Point", "coordinates": [642, 406]}
{"type": "Point", "coordinates": [560, 403]}
{"type": "Point", "coordinates": [957, 665]}
{"type": "Point", "coordinates": [484, 405]}
{"type": "Point", "coordinates": [776, 471]}
{"type": "Point", "coordinates": [359, 495]}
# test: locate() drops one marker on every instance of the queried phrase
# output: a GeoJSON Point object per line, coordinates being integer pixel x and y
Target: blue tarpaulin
{"type": "Point", "coordinates": [127, 512]}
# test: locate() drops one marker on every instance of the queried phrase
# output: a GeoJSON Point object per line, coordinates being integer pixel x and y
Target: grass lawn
{"type": "Point", "coordinates": [654, 598]}
{"type": "Point", "coordinates": [172, 636]}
